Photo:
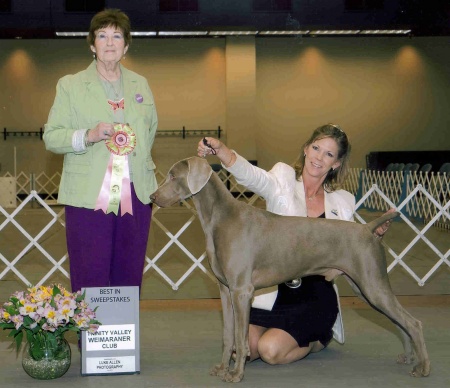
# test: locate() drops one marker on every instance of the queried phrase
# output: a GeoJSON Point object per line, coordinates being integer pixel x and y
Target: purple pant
{"type": "Point", "coordinates": [106, 250]}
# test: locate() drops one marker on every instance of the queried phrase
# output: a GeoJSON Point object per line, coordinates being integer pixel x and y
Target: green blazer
{"type": "Point", "coordinates": [81, 103]}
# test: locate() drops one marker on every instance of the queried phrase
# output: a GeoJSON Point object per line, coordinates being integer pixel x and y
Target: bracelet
{"type": "Point", "coordinates": [87, 143]}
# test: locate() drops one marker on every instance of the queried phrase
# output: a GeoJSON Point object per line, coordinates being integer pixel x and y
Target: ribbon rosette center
{"type": "Point", "coordinates": [121, 139]}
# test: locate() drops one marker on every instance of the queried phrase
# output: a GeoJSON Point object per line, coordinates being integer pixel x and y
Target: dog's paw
{"type": "Point", "coordinates": [405, 358]}
{"type": "Point", "coordinates": [233, 376]}
{"type": "Point", "coordinates": [421, 370]}
{"type": "Point", "coordinates": [218, 370]}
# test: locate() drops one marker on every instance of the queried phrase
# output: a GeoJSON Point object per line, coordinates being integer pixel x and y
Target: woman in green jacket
{"type": "Point", "coordinates": [104, 122]}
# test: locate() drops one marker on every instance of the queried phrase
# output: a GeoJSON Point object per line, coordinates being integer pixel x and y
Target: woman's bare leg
{"type": "Point", "coordinates": [276, 346]}
{"type": "Point", "coordinates": [254, 334]}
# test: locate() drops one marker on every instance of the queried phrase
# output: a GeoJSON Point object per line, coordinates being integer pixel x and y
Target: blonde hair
{"type": "Point", "coordinates": [335, 178]}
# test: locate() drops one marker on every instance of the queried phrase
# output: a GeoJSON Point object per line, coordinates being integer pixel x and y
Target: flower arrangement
{"type": "Point", "coordinates": [45, 314]}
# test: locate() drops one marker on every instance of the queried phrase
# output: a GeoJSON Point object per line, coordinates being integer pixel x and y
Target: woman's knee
{"type": "Point", "coordinates": [270, 352]}
{"type": "Point", "coordinates": [278, 349]}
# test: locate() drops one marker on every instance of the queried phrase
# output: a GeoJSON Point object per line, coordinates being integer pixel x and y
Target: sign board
{"type": "Point", "coordinates": [8, 192]}
{"type": "Point", "coordinates": [114, 348]}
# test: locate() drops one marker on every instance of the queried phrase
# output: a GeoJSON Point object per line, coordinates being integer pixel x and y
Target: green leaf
{"type": "Point", "coordinates": [27, 321]}
{"type": "Point", "coordinates": [18, 338]}
{"type": "Point", "coordinates": [13, 333]}
{"type": "Point", "coordinates": [56, 290]}
{"type": "Point", "coordinates": [5, 325]}
{"type": "Point", "coordinates": [30, 336]}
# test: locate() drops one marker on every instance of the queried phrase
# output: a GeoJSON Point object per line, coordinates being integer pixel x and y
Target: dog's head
{"type": "Point", "coordinates": [184, 179]}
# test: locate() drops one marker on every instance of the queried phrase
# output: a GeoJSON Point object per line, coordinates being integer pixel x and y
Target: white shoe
{"type": "Point", "coordinates": [338, 327]}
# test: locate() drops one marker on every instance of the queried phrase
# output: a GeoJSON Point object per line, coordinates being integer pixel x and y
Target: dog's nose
{"type": "Point", "coordinates": [153, 197]}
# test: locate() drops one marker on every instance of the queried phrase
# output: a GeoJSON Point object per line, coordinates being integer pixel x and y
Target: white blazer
{"type": "Point", "coordinates": [285, 195]}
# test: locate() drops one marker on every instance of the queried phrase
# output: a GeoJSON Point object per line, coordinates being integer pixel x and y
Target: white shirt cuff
{"type": "Point", "coordinates": [78, 140]}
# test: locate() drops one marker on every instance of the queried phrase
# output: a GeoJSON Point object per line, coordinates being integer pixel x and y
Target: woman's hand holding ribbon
{"type": "Point", "coordinates": [102, 131]}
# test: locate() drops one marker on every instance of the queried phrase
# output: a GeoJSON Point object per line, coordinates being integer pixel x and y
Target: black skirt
{"type": "Point", "coordinates": [307, 313]}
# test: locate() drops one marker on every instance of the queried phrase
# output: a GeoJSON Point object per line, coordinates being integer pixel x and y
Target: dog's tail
{"type": "Point", "coordinates": [372, 225]}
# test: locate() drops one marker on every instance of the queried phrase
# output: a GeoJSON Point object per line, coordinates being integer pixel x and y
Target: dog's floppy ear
{"type": "Point", "coordinates": [198, 175]}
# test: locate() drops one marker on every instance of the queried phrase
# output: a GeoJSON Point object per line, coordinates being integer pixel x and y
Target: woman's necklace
{"type": "Point", "coordinates": [116, 92]}
{"type": "Point", "coordinates": [310, 198]}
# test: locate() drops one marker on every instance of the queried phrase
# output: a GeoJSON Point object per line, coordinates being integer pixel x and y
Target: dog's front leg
{"type": "Point", "coordinates": [228, 333]}
{"type": "Point", "coordinates": [241, 300]}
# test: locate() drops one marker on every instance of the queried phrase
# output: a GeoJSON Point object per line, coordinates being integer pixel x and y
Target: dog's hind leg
{"type": "Point", "coordinates": [228, 333]}
{"type": "Point", "coordinates": [380, 296]}
{"type": "Point", "coordinates": [408, 356]}
{"type": "Point", "coordinates": [355, 288]}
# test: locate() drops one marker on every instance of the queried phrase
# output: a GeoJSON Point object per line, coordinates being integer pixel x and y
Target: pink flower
{"type": "Point", "coordinates": [51, 315]}
{"type": "Point", "coordinates": [93, 328]}
{"type": "Point", "coordinates": [82, 304]}
{"type": "Point", "coordinates": [17, 320]}
{"type": "Point", "coordinates": [81, 321]}
{"type": "Point", "coordinates": [67, 305]}
{"type": "Point", "coordinates": [89, 313]}
{"type": "Point", "coordinates": [28, 309]}
{"type": "Point", "coordinates": [47, 327]}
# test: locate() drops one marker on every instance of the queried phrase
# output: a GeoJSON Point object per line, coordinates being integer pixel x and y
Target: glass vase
{"type": "Point", "coordinates": [46, 360]}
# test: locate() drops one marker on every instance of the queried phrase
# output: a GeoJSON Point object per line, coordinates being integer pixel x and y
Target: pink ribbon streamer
{"type": "Point", "coordinates": [103, 197]}
{"type": "Point", "coordinates": [125, 194]}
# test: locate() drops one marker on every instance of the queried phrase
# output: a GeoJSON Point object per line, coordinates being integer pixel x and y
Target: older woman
{"type": "Point", "coordinates": [302, 315]}
{"type": "Point", "coordinates": [104, 121]}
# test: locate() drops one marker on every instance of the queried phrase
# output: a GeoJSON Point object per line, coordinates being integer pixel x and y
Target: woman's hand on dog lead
{"type": "Point", "coordinates": [211, 146]}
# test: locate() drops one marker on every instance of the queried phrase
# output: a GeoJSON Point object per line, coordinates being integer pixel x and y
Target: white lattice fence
{"type": "Point", "coordinates": [46, 186]}
{"type": "Point", "coordinates": [31, 242]}
{"type": "Point", "coordinates": [427, 197]}
{"type": "Point", "coordinates": [389, 182]}
{"type": "Point", "coordinates": [433, 187]}
{"type": "Point", "coordinates": [420, 234]}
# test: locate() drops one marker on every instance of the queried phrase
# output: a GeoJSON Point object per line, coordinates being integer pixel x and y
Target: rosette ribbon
{"type": "Point", "coordinates": [116, 186]}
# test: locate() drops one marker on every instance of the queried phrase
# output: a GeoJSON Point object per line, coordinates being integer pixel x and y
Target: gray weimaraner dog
{"type": "Point", "coordinates": [251, 248]}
